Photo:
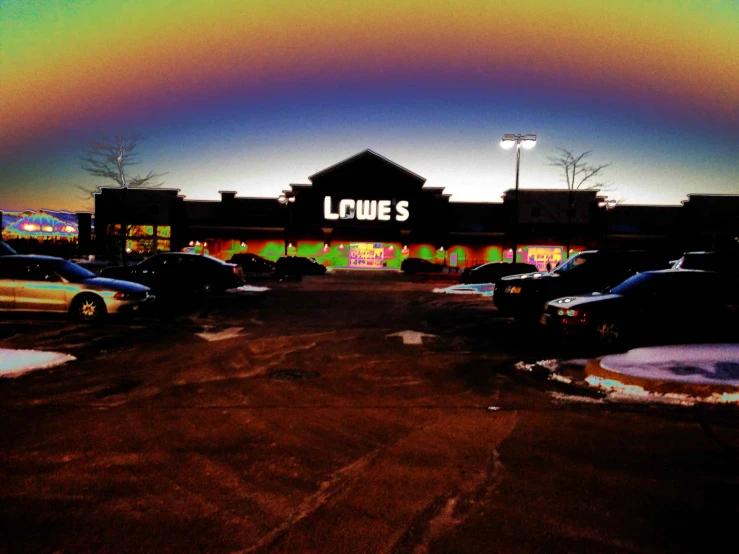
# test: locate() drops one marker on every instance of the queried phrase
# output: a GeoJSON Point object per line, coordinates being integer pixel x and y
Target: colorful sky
{"type": "Point", "coordinates": [253, 95]}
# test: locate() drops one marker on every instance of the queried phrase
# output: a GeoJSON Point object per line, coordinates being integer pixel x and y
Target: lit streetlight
{"type": "Point", "coordinates": [607, 205]}
{"type": "Point", "coordinates": [286, 200]}
{"type": "Point", "coordinates": [519, 141]}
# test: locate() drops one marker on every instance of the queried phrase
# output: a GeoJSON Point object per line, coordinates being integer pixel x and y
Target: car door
{"type": "Point", "coordinates": [7, 283]}
{"type": "Point", "coordinates": [659, 309]}
{"type": "Point", "coordinates": [149, 272]}
{"type": "Point", "coordinates": [39, 289]}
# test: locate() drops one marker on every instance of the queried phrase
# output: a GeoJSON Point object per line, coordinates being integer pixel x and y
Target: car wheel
{"type": "Point", "coordinates": [609, 333]}
{"type": "Point", "coordinates": [87, 308]}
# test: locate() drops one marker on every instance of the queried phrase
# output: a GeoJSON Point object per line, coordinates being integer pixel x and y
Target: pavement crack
{"type": "Point", "coordinates": [327, 489]}
{"type": "Point", "coordinates": [448, 511]}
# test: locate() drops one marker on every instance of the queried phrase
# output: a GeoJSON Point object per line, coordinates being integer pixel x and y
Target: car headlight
{"type": "Point", "coordinates": [513, 290]}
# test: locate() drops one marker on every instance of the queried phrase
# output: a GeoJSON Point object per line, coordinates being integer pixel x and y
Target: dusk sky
{"type": "Point", "coordinates": [254, 95]}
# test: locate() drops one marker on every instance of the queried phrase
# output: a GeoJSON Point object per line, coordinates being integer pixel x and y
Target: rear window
{"type": "Point", "coordinates": [72, 272]}
{"type": "Point", "coordinates": [668, 283]}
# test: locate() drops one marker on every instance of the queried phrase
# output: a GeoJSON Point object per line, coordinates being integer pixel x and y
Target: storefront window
{"type": "Point", "coordinates": [142, 240]}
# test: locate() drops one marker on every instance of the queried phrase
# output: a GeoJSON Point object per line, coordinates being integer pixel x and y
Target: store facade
{"type": "Point", "coordinates": [368, 212]}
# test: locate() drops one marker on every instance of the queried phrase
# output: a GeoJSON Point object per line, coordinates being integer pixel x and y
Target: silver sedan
{"type": "Point", "coordinates": [47, 284]}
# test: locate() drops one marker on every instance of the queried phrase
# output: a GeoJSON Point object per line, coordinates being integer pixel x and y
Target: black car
{"type": "Point", "coordinates": [524, 296]}
{"type": "Point", "coordinates": [289, 266]}
{"type": "Point", "coordinates": [493, 271]}
{"type": "Point", "coordinates": [6, 249]}
{"type": "Point", "coordinates": [419, 265]}
{"type": "Point", "coordinates": [178, 272]}
{"type": "Point", "coordinates": [721, 262]}
{"type": "Point", "coordinates": [252, 264]}
{"type": "Point", "coordinates": [668, 305]}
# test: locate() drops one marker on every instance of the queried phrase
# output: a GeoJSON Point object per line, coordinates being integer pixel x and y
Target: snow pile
{"type": "Point", "coordinates": [563, 398]}
{"type": "Point", "coordinates": [618, 391]}
{"type": "Point", "coordinates": [17, 362]}
{"type": "Point", "coordinates": [486, 289]}
{"type": "Point", "coordinates": [547, 365]}
{"type": "Point", "coordinates": [247, 288]}
{"type": "Point", "coordinates": [697, 364]}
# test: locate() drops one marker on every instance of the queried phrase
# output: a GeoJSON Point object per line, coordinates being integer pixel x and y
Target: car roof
{"type": "Point", "coordinates": [677, 272]}
{"type": "Point", "coordinates": [33, 257]}
{"type": "Point", "coordinates": [188, 255]}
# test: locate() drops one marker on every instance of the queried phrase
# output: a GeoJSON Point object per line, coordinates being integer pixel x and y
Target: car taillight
{"type": "Point", "coordinates": [119, 295]}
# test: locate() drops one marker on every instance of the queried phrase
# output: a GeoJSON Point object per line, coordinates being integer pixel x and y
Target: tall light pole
{"type": "Point", "coordinates": [608, 205]}
{"type": "Point", "coordinates": [528, 142]}
{"type": "Point", "coordinates": [286, 200]}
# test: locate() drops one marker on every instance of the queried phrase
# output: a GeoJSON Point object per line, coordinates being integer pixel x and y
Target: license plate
{"type": "Point", "coordinates": [543, 319]}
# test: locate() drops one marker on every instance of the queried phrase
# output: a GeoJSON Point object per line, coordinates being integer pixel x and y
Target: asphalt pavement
{"type": "Point", "coordinates": [308, 418]}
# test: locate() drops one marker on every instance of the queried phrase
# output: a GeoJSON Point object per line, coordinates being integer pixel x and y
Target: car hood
{"type": "Point", "coordinates": [593, 298]}
{"type": "Point", "coordinates": [102, 283]}
{"type": "Point", "coordinates": [529, 278]}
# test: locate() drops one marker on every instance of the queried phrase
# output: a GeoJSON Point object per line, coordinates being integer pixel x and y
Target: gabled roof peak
{"type": "Point", "coordinates": [367, 153]}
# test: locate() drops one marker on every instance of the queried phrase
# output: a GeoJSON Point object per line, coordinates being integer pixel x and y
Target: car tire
{"type": "Point", "coordinates": [87, 308]}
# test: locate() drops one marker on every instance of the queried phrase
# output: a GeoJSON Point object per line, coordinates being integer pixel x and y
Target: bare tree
{"type": "Point", "coordinates": [579, 174]}
{"type": "Point", "coordinates": [109, 158]}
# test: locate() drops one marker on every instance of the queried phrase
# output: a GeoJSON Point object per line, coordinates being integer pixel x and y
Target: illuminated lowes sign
{"type": "Point", "coordinates": [368, 210]}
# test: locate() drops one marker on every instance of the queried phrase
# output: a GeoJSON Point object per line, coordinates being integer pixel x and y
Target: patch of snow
{"type": "Point", "coordinates": [229, 333]}
{"type": "Point", "coordinates": [574, 399]}
{"type": "Point", "coordinates": [247, 288]}
{"type": "Point", "coordinates": [560, 378]}
{"type": "Point", "coordinates": [17, 362]}
{"type": "Point", "coordinates": [549, 365]}
{"type": "Point", "coordinates": [701, 364]}
{"type": "Point", "coordinates": [577, 362]}
{"type": "Point", "coordinates": [485, 289]}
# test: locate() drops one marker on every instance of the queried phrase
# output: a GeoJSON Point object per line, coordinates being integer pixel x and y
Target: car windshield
{"type": "Point", "coordinates": [573, 263]}
{"type": "Point", "coordinates": [634, 284]}
{"type": "Point", "coordinates": [72, 272]}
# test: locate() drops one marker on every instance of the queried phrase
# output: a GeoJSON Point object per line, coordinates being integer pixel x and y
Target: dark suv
{"type": "Point", "coordinates": [724, 263]}
{"type": "Point", "coordinates": [523, 296]}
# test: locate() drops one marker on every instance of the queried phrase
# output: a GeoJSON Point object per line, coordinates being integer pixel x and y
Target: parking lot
{"type": "Point", "coordinates": [350, 412]}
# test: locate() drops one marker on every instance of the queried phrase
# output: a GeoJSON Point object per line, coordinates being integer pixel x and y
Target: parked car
{"type": "Point", "coordinates": [48, 284]}
{"type": "Point", "coordinates": [177, 272]}
{"type": "Point", "coordinates": [523, 296]}
{"type": "Point", "coordinates": [720, 262]}
{"type": "Point", "coordinates": [6, 249]}
{"type": "Point", "coordinates": [419, 265]}
{"type": "Point", "coordinates": [494, 271]}
{"type": "Point", "coordinates": [297, 266]}
{"type": "Point", "coordinates": [664, 305]}
{"type": "Point", "coordinates": [252, 264]}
